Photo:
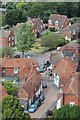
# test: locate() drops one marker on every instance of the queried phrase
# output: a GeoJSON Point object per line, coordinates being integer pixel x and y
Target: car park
{"type": "Point", "coordinates": [32, 108]}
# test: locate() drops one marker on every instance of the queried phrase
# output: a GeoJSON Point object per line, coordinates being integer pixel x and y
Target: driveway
{"type": "Point", "coordinates": [51, 95]}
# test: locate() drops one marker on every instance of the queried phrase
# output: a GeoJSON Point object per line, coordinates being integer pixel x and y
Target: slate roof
{"type": "Point", "coordinates": [59, 18]}
{"type": "Point", "coordinates": [56, 58]}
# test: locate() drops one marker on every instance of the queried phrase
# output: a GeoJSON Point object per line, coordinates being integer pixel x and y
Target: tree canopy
{"type": "Point", "coordinates": [52, 40]}
{"type": "Point", "coordinates": [10, 87]}
{"type": "Point", "coordinates": [67, 112]}
{"type": "Point", "coordinates": [8, 52]}
{"type": "Point", "coordinates": [11, 108]}
{"type": "Point", "coordinates": [24, 38]}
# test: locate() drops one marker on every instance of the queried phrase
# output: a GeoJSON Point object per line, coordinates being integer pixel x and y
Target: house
{"type": "Point", "coordinates": [38, 26]}
{"type": "Point", "coordinates": [61, 68]}
{"type": "Point", "coordinates": [3, 92]}
{"type": "Point", "coordinates": [70, 94]}
{"type": "Point", "coordinates": [30, 90]}
{"type": "Point", "coordinates": [16, 69]}
{"type": "Point", "coordinates": [2, 11]}
{"type": "Point", "coordinates": [70, 32]}
{"type": "Point", "coordinates": [6, 39]}
{"type": "Point", "coordinates": [59, 22]}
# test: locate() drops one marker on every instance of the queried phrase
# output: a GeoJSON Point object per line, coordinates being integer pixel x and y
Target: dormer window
{"type": "Point", "coordinates": [56, 22]}
{"type": "Point", "coordinates": [16, 70]}
{"type": "Point", "coordinates": [50, 21]}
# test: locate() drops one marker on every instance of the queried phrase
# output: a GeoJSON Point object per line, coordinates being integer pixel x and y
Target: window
{"type": "Point", "coordinates": [9, 44]}
{"type": "Point", "coordinates": [3, 71]}
{"type": "Point", "coordinates": [56, 22]}
{"type": "Point", "coordinates": [15, 70]}
{"type": "Point", "coordinates": [12, 38]}
{"type": "Point", "coordinates": [73, 32]}
{"type": "Point", "coordinates": [72, 103]}
{"type": "Point", "coordinates": [50, 21]}
{"type": "Point", "coordinates": [9, 38]}
{"type": "Point", "coordinates": [12, 43]}
{"type": "Point", "coordinates": [21, 91]}
{"type": "Point", "coordinates": [18, 94]}
{"type": "Point", "coordinates": [35, 30]}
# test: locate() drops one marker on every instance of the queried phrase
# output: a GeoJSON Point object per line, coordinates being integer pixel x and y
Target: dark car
{"type": "Point", "coordinates": [44, 85]}
{"type": "Point", "coordinates": [41, 97]}
{"type": "Point", "coordinates": [17, 56]}
{"type": "Point", "coordinates": [37, 102]}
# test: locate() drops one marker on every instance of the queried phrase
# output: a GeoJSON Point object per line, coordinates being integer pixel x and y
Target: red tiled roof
{"type": "Point", "coordinates": [64, 66]}
{"type": "Point", "coordinates": [3, 92]}
{"type": "Point", "coordinates": [51, 55]}
{"type": "Point", "coordinates": [18, 62]}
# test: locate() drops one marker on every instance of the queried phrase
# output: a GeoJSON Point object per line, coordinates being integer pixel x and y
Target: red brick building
{"type": "Point", "coordinates": [38, 26]}
{"type": "Point", "coordinates": [6, 38]}
{"type": "Point", "coordinates": [30, 90]}
{"type": "Point", "coordinates": [70, 32]}
{"type": "Point", "coordinates": [58, 22]}
{"type": "Point", "coordinates": [16, 69]}
{"type": "Point", "coordinates": [70, 94]}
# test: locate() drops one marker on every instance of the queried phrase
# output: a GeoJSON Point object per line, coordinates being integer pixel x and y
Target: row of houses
{"type": "Point", "coordinates": [58, 22]}
{"type": "Point", "coordinates": [24, 73]}
{"type": "Point", "coordinates": [66, 75]}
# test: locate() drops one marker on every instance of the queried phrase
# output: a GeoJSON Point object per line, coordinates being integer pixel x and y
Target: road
{"type": "Point", "coordinates": [51, 94]}
{"type": "Point", "coordinates": [39, 57]}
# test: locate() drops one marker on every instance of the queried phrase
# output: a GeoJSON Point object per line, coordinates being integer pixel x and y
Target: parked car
{"type": "Point", "coordinates": [41, 97]}
{"type": "Point", "coordinates": [41, 69]}
{"type": "Point", "coordinates": [44, 85]}
{"type": "Point", "coordinates": [32, 108]}
{"type": "Point", "coordinates": [47, 63]}
{"type": "Point", "coordinates": [42, 65]}
{"type": "Point", "coordinates": [17, 56]}
{"type": "Point", "coordinates": [37, 102]}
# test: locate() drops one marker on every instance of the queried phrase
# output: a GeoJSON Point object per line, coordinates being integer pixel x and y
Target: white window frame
{"type": "Point", "coordinates": [9, 38]}
{"type": "Point", "coordinates": [12, 43]}
{"type": "Point", "coordinates": [72, 103]}
{"type": "Point", "coordinates": [15, 71]}
{"type": "Point", "coordinates": [9, 44]}
{"type": "Point", "coordinates": [12, 38]}
{"type": "Point", "coordinates": [35, 30]}
{"type": "Point", "coordinates": [18, 94]}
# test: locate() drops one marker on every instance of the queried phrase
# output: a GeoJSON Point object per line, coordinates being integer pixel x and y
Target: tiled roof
{"type": "Point", "coordinates": [32, 82]}
{"type": "Point", "coordinates": [73, 27]}
{"type": "Point", "coordinates": [18, 62]}
{"type": "Point", "coordinates": [74, 87]}
{"type": "Point", "coordinates": [4, 33]}
{"type": "Point", "coordinates": [57, 57]}
{"type": "Point", "coordinates": [38, 23]}
{"type": "Point", "coordinates": [51, 55]}
{"type": "Point", "coordinates": [59, 18]}
{"type": "Point", "coordinates": [3, 92]}
{"type": "Point", "coordinates": [64, 66]}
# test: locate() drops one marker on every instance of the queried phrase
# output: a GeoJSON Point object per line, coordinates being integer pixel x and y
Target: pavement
{"type": "Point", "coordinates": [51, 94]}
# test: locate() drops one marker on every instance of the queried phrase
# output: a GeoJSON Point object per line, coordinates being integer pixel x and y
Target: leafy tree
{"type": "Point", "coordinates": [15, 16]}
{"type": "Point", "coordinates": [78, 14]}
{"type": "Point", "coordinates": [10, 5]}
{"type": "Point", "coordinates": [9, 87]}
{"type": "Point", "coordinates": [19, 5]}
{"type": "Point", "coordinates": [67, 112]}
{"type": "Point", "coordinates": [11, 108]}
{"type": "Point", "coordinates": [52, 40]}
{"type": "Point", "coordinates": [24, 38]}
{"type": "Point", "coordinates": [8, 52]}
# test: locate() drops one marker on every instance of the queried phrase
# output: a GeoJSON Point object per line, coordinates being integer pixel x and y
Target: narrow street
{"type": "Point", "coordinates": [51, 95]}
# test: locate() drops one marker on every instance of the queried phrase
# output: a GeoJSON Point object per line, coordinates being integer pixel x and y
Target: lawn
{"type": "Point", "coordinates": [37, 47]}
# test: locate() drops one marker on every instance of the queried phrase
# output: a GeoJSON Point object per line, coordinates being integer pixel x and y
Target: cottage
{"type": "Point", "coordinates": [62, 68]}
{"type": "Point", "coordinates": [58, 22]}
{"type": "Point", "coordinates": [70, 94]}
{"type": "Point", "coordinates": [29, 90]}
{"type": "Point", "coordinates": [70, 32]}
{"type": "Point", "coordinates": [38, 26]}
{"type": "Point", "coordinates": [6, 39]}
{"type": "Point", "coordinates": [16, 69]}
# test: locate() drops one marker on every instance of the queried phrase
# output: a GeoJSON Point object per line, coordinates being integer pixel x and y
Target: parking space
{"type": "Point", "coordinates": [51, 95]}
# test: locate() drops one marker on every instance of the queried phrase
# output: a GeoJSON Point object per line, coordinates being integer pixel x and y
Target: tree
{"type": "Point", "coordinates": [15, 16]}
{"type": "Point", "coordinates": [67, 112]}
{"type": "Point", "coordinates": [52, 40]}
{"type": "Point", "coordinates": [10, 87]}
{"type": "Point", "coordinates": [11, 108]}
{"type": "Point", "coordinates": [11, 5]}
{"type": "Point", "coordinates": [19, 5]}
{"type": "Point", "coordinates": [24, 38]}
{"type": "Point", "coordinates": [8, 52]}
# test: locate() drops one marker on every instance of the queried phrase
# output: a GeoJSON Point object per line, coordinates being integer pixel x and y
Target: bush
{"type": "Point", "coordinates": [51, 29]}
